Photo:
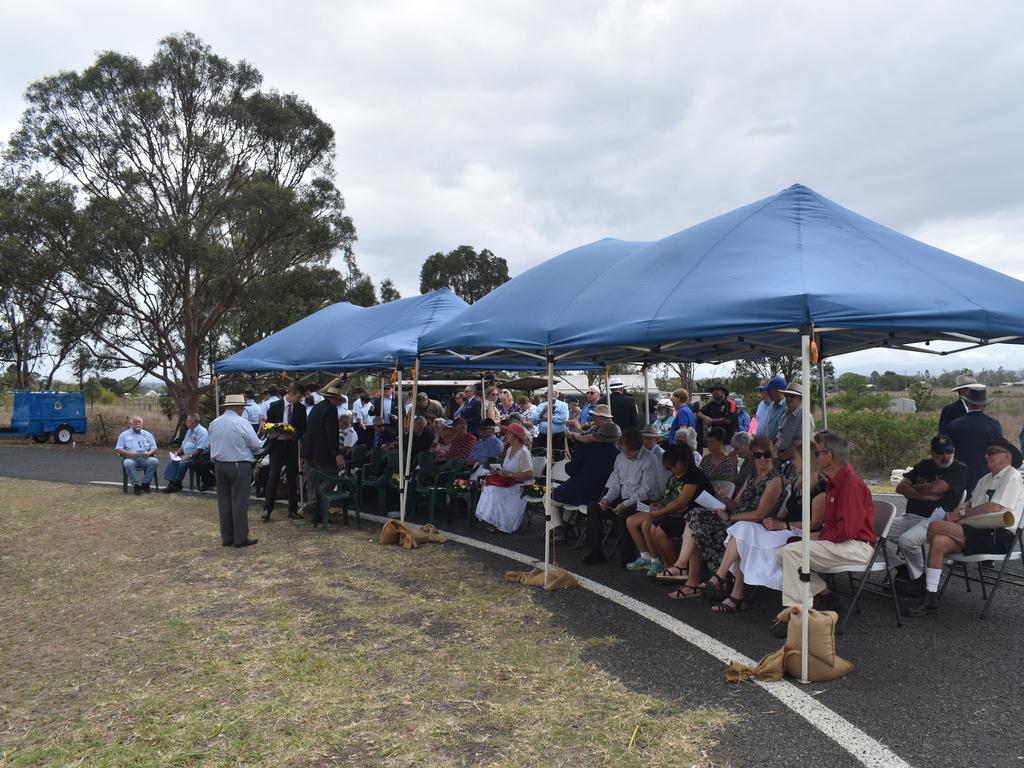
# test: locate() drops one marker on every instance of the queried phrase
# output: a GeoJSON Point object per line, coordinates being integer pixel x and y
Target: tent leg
{"type": "Point", "coordinates": [401, 451]}
{"type": "Point", "coordinates": [547, 476]}
{"type": "Point", "coordinates": [805, 512]}
{"type": "Point", "coordinates": [821, 386]}
{"type": "Point", "coordinates": [647, 396]}
{"type": "Point", "coordinates": [407, 469]}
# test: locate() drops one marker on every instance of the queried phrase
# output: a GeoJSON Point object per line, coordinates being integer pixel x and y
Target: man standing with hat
{"type": "Point", "coordinates": [973, 431]}
{"type": "Point", "coordinates": [791, 423]}
{"type": "Point", "coordinates": [232, 444]}
{"type": "Point", "coordinates": [955, 410]}
{"type": "Point", "coordinates": [774, 408]}
{"type": "Point", "coordinates": [624, 410]}
{"type": "Point", "coordinates": [321, 446]}
{"type": "Point", "coordinates": [284, 450]}
{"type": "Point", "coordinates": [719, 412]}
{"type": "Point", "coordinates": [999, 493]}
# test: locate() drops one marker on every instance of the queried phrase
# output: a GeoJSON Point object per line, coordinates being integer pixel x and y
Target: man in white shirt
{"type": "Point", "coordinates": [232, 444]}
{"type": "Point", "coordinates": [985, 525]}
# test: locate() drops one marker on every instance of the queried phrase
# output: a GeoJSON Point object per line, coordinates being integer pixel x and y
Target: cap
{"type": "Point", "coordinates": [775, 382]}
{"type": "Point", "coordinates": [941, 442]}
{"type": "Point", "coordinates": [739, 402]}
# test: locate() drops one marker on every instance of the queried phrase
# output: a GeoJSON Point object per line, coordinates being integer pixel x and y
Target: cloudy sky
{"type": "Point", "coordinates": [531, 127]}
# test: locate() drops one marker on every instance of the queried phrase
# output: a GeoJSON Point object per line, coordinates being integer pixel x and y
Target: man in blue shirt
{"type": "Point", "coordinates": [775, 408]}
{"type": "Point", "coordinates": [194, 452]}
{"type": "Point", "coordinates": [137, 446]}
{"type": "Point", "coordinates": [593, 399]}
{"type": "Point", "coordinates": [559, 415]}
{"type": "Point", "coordinates": [488, 446]}
{"type": "Point", "coordinates": [232, 444]}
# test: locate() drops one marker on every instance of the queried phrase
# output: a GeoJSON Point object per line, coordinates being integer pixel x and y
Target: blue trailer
{"type": "Point", "coordinates": [41, 414]}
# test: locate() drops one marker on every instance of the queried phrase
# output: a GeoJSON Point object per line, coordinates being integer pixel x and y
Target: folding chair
{"type": "Point", "coordinates": [573, 511]}
{"type": "Point", "coordinates": [987, 575]}
{"type": "Point", "coordinates": [885, 513]}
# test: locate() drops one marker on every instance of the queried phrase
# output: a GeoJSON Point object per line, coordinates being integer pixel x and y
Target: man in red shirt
{"type": "Point", "coordinates": [847, 535]}
{"type": "Point", "coordinates": [462, 442]}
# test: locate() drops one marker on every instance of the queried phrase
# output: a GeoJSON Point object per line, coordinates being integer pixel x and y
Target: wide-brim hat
{"type": "Point", "coordinates": [608, 433]}
{"type": "Point", "coordinates": [650, 431]}
{"type": "Point", "coordinates": [963, 380]}
{"type": "Point", "coordinates": [1001, 442]}
{"type": "Point", "coordinates": [794, 389]}
{"type": "Point", "coordinates": [333, 388]}
{"type": "Point", "coordinates": [601, 410]}
{"type": "Point", "coordinates": [234, 401]}
{"type": "Point", "coordinates": [721, 386]}
{"type": "Point", "coordinates": [976, 394]}
{"type": "Point", "coordinates": [616, 384]}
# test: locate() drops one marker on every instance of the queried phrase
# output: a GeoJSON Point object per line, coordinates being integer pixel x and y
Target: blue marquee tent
{"type": "Point", "coordinates": [742, 285]}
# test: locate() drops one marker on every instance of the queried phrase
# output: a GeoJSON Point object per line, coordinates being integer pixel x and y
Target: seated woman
{"type": "Point", "coordinates": [688, 436]}
{"type": "Point", "coordinates": [751, 544]}
{"type": "Point", "coordinates": [717, 464]}
{"type": "Point", "coordinates": [501, 503]}
{"type": "Point", "coordinates": [741, 449]}
{"type": "Point", "coordinates": [705, 535]}
{"type": "Point", "coordinates": [443, 435]}
{"type": "Point", "coordinates": [655, 531]}
{"type": "Point", "coordinates": [664, 413]}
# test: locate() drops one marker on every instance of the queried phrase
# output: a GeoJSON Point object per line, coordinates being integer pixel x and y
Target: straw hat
{"type": "Point", "coordinates": [601, 410]}
{"type": "Point", "coordinates": [234, 401]}
{"type": "Point", "coordinates": [650, 431]}
{"type": "Point", "coordinates": [794, 389]}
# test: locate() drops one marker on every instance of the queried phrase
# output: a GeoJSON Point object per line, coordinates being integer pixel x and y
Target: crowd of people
{"type": "Point", "coordinates": [693, 499]}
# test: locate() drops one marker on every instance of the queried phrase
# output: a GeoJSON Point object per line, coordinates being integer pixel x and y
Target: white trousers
{"type": "Point", "coordinates": [824, 554]}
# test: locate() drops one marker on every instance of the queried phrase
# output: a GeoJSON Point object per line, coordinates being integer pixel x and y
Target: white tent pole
{"type": "Point", "coordinates": [647, 397]}
{"type": "Point", "coordinates": [805, 512]}
{"type": "Point", "coordinates": [407, 469]}
{"type": "Point", "coordinates": [547, 476]}
{"type": "Point", "coordinates": [821, 384]}
{"type": "Point", "coordinates": [401, 451]}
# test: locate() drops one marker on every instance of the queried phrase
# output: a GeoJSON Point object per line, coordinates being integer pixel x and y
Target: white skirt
{"type": "Point", "coordinates": [756, 546]}
{"type": "Point", "coordinates": [502, 507]}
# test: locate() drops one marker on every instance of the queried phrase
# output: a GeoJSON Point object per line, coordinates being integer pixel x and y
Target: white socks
{"type": "Point", "coordinates": [645, 555]}
{"type": "Point", "coordinates": [931, 579]}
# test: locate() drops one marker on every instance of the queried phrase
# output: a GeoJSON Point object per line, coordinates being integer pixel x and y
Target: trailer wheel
{"type": "Point", "coordinates": [41, 438]}
{"type": "Point", "coordinates": [63, 434]}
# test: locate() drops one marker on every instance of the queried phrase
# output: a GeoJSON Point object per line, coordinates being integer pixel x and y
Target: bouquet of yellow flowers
{"type": "Point", "coordinates": [272, 431]}
{"type": "Point", "coordinates": [533, 491]}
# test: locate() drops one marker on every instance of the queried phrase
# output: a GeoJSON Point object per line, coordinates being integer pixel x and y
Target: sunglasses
{"type": "Point", "coordinates": [943, 451]}
{"type": "Point", "coordinates": [994, 451]}
{"type": "Point", "coordinates": [759, 455]}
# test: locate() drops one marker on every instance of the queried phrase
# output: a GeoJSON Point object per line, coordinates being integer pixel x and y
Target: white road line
{"type": "Point", "coordinates": [868, 751]}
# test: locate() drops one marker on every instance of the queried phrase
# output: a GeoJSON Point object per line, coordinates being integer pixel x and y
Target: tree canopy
{"type": "Point", "coordinates": [469, 274]}
{"type": "Point", "coordinates": [198, 186]}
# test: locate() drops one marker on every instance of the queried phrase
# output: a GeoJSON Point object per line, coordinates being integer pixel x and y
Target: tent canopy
{"type": "Point", "coordinates": [742, 285]}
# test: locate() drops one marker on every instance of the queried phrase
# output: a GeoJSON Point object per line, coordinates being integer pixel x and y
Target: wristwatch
{"type": "Point", "coordinates": [963, 512]}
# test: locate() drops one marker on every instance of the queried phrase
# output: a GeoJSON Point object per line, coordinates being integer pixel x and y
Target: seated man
{"type": "Point", "coordinates": [664, 413]}
{"type": "Point", "coordinates": [381, 436]}
{"type": "Point", "coordinates": [588, 472]}
{"type": "Point", "coordinates": [462, 440]}
{"type": "Point", "coordinates": [847, 535]}
{"type": "Point", "coordinates": [933, 484]}
{"type": "Point", "coordinates": [194, 452]}
{"type": "Point", "coordinates": [488, 446]}
{"type": "Point", "coordinates": [137, 446]}
{"type": "Point", "coordinates": [422, 436]}
{"type": "Point", "coordinates": [559, 416]}
{"type": "Point", "coordinates": [599, 416]}
{"type": "Point", "coordinates": [652, 439]}
{"type": "Point", "coordinates": [999, 492]}
{"type": "Point", "coordinates": [634, 479]}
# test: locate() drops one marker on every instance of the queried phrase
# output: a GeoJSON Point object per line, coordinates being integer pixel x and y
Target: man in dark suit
{"type": "Point", "coordinates": [972, 433]}
{"type": "Point", "coordinates": [624, 410]}
{"type": "Point", "coordinates": [321, 447]}
{"type": "Point", "coordinates": [472, 411]}
{"type": "Point", "coordinates": [588, 471]}
{"type": "Point", "coordinates": [954, 411]}
{"type": "Point", "coordinates": [284, 450]}
{"type": "Point", "coordinates": [386, 407]}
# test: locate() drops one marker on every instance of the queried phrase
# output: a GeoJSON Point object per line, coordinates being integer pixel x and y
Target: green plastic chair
{"type": "Point", "coordinates": [429, 483]}
{"type": "Point", "coordinates": [332, 489]}
{"type": "Point", "coordinates": [380, 483]}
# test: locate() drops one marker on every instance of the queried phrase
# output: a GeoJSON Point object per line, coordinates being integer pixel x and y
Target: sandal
{"type": "Point", "coordinates": [714, 587]}
{"type": "Point", "coordinates": [685, 593]}
{"type": "Point", "coordinates": [730, 605]}
{"type": "Point", "coordinates": [668, 575]}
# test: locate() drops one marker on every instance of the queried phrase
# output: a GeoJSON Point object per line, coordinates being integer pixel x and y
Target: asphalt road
{"type": "Point", "coordinates": [940, 691]}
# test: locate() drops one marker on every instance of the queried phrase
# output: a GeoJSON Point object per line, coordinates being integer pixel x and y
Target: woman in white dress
{"type": "Point", "coordinates": [750, 545]}
{"type": "Point", "coordinates": [503, 506]}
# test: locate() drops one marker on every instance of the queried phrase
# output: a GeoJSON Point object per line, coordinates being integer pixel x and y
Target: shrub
{"type": "Point", "coordinates": [882, 441]}
{"type": "Point", "coordinates": [859, 400]}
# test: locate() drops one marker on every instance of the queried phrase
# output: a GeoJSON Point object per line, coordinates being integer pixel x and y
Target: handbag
{"type": "Point", "coordinates": [500, 481]}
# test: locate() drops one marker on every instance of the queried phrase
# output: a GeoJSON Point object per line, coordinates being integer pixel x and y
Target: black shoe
{"type": "Point", "coordinates": [226, 544]}
{"type": "Point", "coordinates": [293, 515]}
{"type": "Point", "coordinates": [910, 587]}
{"type": "Point", "coordinates": [204, 486]}
{"type": "Point", "coordinates": [146, 488]}
{"type": "Point", "coordinates": [137, 490]}
{"type": "Point", "coordinates": [265, 517]}
{"type": "Point", "coordinates": [172, 488]}
{"type": "Point", "coordinates": [926, 607]}
{"type": "Point", "coordinates": [246, 543]}
{"type": "Point", "coordinates": [594, 558]}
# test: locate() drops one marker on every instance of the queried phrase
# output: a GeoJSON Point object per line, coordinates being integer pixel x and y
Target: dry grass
{"type": "Point", "coordinates": [132, 638]}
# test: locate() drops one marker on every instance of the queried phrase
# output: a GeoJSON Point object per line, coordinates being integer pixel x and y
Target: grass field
{"type": "Point", "coordinates": [132, 638]}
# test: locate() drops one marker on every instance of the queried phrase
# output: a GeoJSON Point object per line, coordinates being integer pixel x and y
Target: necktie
{"type": "Point", "coordinates": [288, 414]}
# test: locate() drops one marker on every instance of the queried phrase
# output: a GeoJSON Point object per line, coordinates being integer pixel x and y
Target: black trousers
{"type": "Point", "coordinates": [595, 528]}
{"type": "Point", "coordinates": [283, 457]}
{"type": "Point", "coordinates": [233, 481]}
